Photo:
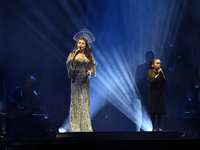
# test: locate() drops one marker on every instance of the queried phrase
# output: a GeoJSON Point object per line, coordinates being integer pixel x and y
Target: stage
{"type": "Point", "coordinates": [109, 140]}
{"type": "Point", "coordinates": [120, 135]}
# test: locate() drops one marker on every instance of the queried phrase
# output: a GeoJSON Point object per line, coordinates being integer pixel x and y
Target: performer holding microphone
{"type": "Point", "coordinates": [156, 103]}
{"type": "Point", "coordinates": [81, 65]}
{"type": "Point", "coordinates": [81, 51]}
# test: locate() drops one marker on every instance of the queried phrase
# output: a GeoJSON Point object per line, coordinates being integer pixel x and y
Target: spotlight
{"type": "Point", "coordinates": [62, 130]}
{"type": "Point", "coordinates": [197, 83]}
{"type": "Point", "coordinates": [150, 129]}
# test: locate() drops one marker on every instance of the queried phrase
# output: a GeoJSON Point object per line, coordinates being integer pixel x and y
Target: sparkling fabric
{"type": "Point", "coordinates": [80, 117]}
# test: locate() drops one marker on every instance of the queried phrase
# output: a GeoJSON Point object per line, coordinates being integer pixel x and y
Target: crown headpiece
{"type": "Point", "coordinates": [86, 34]}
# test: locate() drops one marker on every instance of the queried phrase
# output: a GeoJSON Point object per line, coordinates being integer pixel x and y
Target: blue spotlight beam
{"type": "Point", "coordinates": [43, 36]}
{"type": "Point", "coordinates": [152, 36]}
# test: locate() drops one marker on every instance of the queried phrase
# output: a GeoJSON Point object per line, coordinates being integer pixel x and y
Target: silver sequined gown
{"type": "Point", "coordinates": [80, 117]}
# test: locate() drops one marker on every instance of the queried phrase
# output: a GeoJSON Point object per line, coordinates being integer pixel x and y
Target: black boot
{"type": "Point", "coordinates": [159, 122]}
{"type": "Point", "coordinates": [153, 121]}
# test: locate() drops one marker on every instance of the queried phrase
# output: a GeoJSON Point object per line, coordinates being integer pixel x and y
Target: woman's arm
{"type": "Point", "coordinates": [74, 55]}
{"type": "Point", "coordinates": [164, 78]}
{"type": "Point", "coordinates": [161, 71]}
{"type": "Point", "coordinates": [92, 71]}
{"type": "Point", "coordinates": [69, 65]}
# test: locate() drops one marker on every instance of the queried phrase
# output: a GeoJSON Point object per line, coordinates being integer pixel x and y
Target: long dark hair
{"type": "Point", "coordinates": [87, 51]}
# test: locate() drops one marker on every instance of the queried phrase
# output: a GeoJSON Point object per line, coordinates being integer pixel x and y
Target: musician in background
{"type": "Point", "coordinates": [20, 98]}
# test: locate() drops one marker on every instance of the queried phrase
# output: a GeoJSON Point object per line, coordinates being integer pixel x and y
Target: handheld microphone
{"type": "Point", "coordinates": [78, 51]}
{"type": "Point", "coordinates": [160, 68]}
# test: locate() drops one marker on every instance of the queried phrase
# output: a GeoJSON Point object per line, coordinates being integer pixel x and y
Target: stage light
{"type": "Point", "coordinates": [61, 130]}
{"type": "Point", "coordinates": [150, 129]}
{"type": "Point", "coordinates": [197, 83]}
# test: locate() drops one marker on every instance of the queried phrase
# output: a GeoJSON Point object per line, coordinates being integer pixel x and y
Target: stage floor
{"type": "Point", "coordinates": [109, 140]}
{"type": "Point", "coordinates": [120, 135]}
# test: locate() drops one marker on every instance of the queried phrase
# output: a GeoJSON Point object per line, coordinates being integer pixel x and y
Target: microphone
{"type": "Point", "coordinates": [79, 50]}
{"type": "Point", "coordinates": [161, 69]}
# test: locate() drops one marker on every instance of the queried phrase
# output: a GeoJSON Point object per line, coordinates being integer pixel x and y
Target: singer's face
{"type": "Point", "coordinates": [156, 64]}
{"type": "Point", "coordinates": [82, 44]}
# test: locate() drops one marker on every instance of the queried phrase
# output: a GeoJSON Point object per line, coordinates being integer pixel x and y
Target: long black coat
{"type": "Point", "coordinates": [156, 103]}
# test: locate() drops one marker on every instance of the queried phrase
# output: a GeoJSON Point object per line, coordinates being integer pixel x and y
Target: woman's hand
{"type": "Point", "coordinates": [159, 70]}
{"type": "Point", "coordinates": [89, 72]}
{"type": "Point", "coordinates": [76, 52]}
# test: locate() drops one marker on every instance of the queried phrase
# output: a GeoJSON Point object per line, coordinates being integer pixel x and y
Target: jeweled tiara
{"type": "Point", "coordinates": [86, 34]}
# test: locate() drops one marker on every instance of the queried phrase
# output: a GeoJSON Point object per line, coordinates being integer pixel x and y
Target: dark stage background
{"type": "Point", "coordinates": [36, 38]}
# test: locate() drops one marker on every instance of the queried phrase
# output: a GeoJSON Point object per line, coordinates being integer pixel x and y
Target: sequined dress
{"type": "Point", "coordinates": [80, 116]}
